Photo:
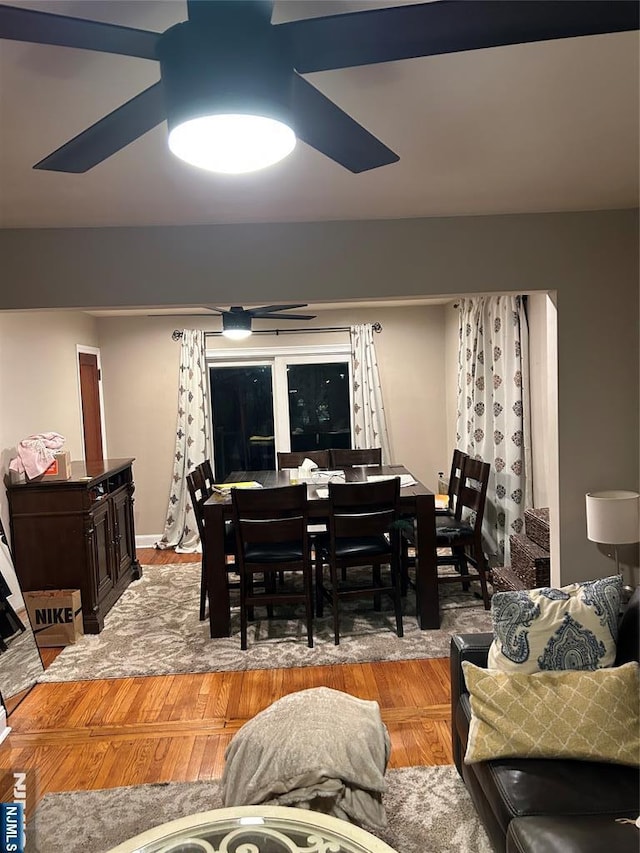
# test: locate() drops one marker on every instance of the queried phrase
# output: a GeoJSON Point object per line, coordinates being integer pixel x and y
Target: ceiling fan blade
{"type": "Point", "coordinates": [324, 126]}
{"type": "Point", "coordinates": [286, 317]}
{"type": "Point", "coordinates": [44, 28]}
{"type": "Point", "coordinates": [267, 309]}
{"type": "Point", "coordinates": [447, 26]}
{"type": "Point", "coordinates": [211, 308]}
{"type": "Point", "coordinates": [110, 134]}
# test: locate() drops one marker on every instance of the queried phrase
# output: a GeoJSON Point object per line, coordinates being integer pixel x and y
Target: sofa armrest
{"type": "Point", "coordinates": [473, 648]}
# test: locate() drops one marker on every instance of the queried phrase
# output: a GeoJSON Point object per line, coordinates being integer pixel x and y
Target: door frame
{"type": "Point", "coordinates": [80, 348]}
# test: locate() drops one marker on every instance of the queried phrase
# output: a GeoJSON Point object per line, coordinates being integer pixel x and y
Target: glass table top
{"type": "Point", "coordinates": [255, 829]}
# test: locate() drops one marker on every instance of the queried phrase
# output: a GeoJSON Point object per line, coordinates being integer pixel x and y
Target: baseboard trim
{"type": "Point", "coordinates": [148, 540]}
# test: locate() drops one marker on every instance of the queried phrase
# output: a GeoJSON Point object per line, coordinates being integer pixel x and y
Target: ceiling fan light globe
{"type": "Point", "coordinates": [232, 143]}
{"type": "Point", "coordinates": [236, 334]}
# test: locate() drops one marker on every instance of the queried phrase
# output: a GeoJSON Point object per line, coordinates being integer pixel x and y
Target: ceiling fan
{"type": "Point", "coordinates": [228, 70]}
{"type": "Point", "coordinates": [236, 321]}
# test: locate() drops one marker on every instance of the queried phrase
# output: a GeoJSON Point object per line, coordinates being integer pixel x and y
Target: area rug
{"type": "Point", "coordinates": [428, 811]}
{"type": "Point", "coordinates": [154, 630]}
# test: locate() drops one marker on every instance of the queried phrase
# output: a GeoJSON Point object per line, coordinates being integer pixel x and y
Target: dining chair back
{"type": "Point", "coordinates": [294, 459]}
{"type": "Point", "coordinates": [363, 532]}
{"type": "Point", "coordinates": [198, 493]}
{"type": "Point", "coordinates": [271, 538]}
{"type": "Point", "coordinates": [207, 475]}
{"type": "Point", "coordinates": [345, 458]}
{"type": "Point", "coordinates": [461, 535]}
{"type": "Point", "coordinates": [458, 459]}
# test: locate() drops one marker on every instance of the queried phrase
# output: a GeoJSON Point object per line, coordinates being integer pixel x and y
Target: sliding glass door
{"type": "Point", "coordinates": [319, 409]}
{"type": "Point", "coordinates": [242, 418]}
{"type": "Point", "coordinates": [279, 400]}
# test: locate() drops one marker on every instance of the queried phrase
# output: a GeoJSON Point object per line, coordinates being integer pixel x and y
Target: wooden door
{"type": "Point", "coordinates": [91, 411]}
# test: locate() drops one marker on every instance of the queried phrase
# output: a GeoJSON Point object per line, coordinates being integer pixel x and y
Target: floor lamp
{"type": "Point", "coordinates": [613, 518]}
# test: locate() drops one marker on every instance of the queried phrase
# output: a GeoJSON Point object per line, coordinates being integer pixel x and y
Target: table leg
{"type": "Point", "coordinates": [216, 571]}
{"type": "Point", "coordinates": [427, 604]}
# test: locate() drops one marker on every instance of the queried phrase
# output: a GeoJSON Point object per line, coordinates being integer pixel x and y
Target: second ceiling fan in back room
{"type": "Point", "coordinates": [236, 321]}
{"type": "Point", "coordinates": [231, 88]}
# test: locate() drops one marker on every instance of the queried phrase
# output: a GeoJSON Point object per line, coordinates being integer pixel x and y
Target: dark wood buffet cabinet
{"type": "Point", "coordinates": [77, 534]}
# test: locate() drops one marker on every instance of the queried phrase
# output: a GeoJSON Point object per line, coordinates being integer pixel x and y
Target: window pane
{"type": "Point", "coordinates": [242, 415]}
{"type": "Point", "coordinates": [319, 414]}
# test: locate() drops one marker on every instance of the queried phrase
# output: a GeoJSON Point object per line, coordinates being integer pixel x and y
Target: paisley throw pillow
{"type": "Point", "coordinates": [574, 627]}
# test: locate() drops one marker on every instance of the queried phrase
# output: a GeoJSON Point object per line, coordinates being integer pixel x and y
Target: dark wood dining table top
{"type": "Point", "coordinates": [415, 499]}
{"type": "Point", "coordinates": [356, 474]}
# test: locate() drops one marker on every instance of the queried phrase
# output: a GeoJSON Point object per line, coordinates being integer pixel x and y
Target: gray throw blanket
{"type": "Point", "coordinates": [319, 749]}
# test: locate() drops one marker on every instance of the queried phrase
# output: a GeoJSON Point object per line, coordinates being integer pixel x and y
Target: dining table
{"type": "Point", "coordinates": [416, 501]}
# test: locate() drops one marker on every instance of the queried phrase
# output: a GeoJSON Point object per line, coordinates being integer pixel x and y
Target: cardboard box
{"type": "Point", "coordinates": [55, 616]}
{"type": "Point", "coordinates": [60, 468]}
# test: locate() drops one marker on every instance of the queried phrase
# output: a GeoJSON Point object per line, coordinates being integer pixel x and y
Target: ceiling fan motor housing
{"type": "Point", "coordinates": [236, 320]}
{"type": "Point", "coordinates": [225, 69]}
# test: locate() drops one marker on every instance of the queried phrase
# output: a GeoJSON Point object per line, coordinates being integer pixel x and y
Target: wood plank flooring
{"type": "Point", "coordinates": [129, 731]}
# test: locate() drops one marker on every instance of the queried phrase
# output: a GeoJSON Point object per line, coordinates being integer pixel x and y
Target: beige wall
{"type": "Point", "coordinates": [589, 258]}
{"type": "Point", "coordinates": [39, 381]}
{"type": "Point", "coordinates": [140, 369]}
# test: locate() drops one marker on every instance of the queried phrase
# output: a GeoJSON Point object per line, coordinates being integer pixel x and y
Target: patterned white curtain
{"type": "Point", "coordinates": [192, 442]}
{"type": "Point", "coordinates": [370, 425]}
{"type": "Point", "coordinates": [493, 411]}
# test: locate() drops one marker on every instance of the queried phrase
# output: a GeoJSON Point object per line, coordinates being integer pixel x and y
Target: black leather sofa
{"type": "Point", "coordinates": [546, 805]}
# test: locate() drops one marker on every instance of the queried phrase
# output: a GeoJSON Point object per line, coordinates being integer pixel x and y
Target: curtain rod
{"type": "Point", "coordinates": [377, 327]}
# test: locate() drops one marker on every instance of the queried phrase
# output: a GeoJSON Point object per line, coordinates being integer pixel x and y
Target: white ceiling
{"type": "Point", "coordinates": [550, 126]}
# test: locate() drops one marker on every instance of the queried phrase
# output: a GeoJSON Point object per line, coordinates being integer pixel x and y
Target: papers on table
{"type": "Point", "coordinates": [320, 475]}
{"type": "Point", "coordinates": [322, 492]}
{"type": "Point", "coordinates": [250, 484]}
{"type": "Point", "coordinates": [405, 479]}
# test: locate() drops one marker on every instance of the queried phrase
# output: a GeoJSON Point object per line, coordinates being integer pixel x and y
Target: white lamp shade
{"type": "Point", "coordinates": [613, 517]}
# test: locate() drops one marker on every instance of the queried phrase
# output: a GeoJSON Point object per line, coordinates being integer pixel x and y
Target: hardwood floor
{"type": "Point", "coordinates": [101, 734]}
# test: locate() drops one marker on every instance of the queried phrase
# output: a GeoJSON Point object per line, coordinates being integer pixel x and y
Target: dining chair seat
{"type": "Point", "coordinates": [273, 552]}
{"type": "Point", "coordinates": [361, 546]}
{"type": "Point", "coordinates": [448, 530]}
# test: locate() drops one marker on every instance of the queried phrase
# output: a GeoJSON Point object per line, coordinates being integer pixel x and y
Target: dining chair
{"type": "Point", "coordinates": [362, 532]}
{"type": "Point", "coordinates": [461, 535]}
{"type": "Point", "coordinates": [458, 459]}
{"type": "Point", "coordinates": [346, 458]}
{"type": "Point", "coordinates": [271, 537]}
{"type": "Point", "coordinates": [198, 493]}
{"type": "Point", "coordinates": [294, 459]}
{"type": "Point", "coordinates": [207, 474]}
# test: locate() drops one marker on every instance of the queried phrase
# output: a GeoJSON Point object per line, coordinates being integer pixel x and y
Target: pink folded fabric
{"type": "Point", "coordinates": [36, 453]}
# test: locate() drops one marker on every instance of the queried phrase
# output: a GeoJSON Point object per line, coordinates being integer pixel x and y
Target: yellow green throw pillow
{"type": "Point", "coordinates": [590, 715]}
